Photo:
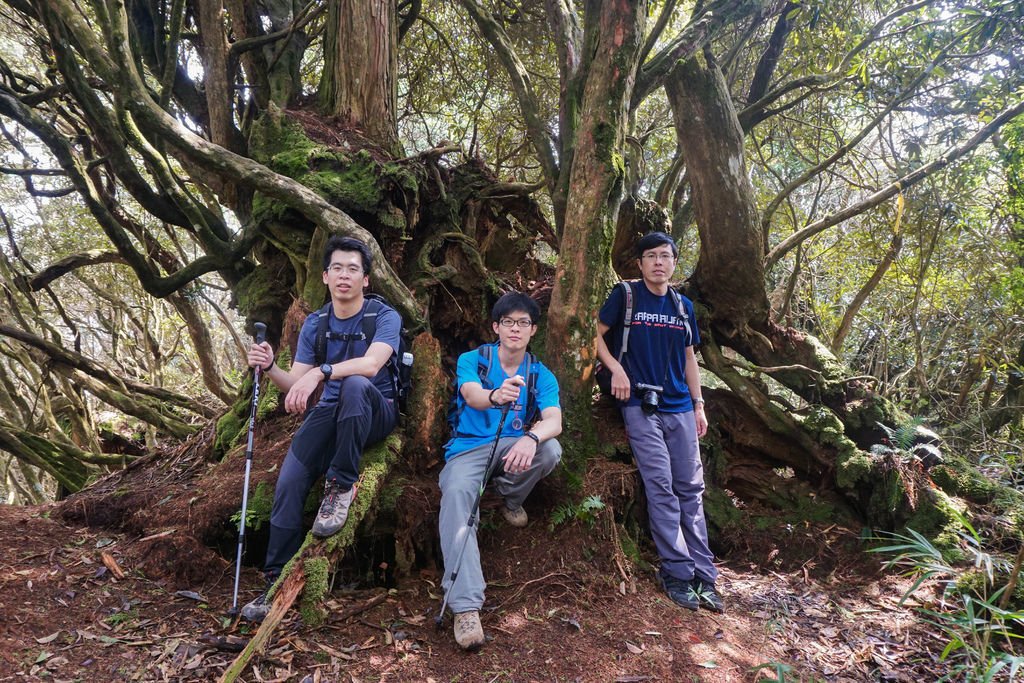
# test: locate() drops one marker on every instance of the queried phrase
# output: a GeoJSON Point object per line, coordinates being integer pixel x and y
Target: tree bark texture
{"type": "Point", "coordinates": [360, 74]}
{"type": "Point", "coordinates": [614, 32]}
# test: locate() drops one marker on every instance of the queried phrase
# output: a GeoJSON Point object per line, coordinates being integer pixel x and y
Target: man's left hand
{"type": "Point", "coordinates": [702, 420]}
{"type": "Point", "coordinates": [520, 456]}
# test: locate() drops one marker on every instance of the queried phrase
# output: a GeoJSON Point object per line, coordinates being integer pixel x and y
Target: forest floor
{"type": "Point", "coordinates": [65, 616]}
{"type": "Point", "coordinates": [109, 601]}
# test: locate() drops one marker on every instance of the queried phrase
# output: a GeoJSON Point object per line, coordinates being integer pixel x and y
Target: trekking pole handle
{"type": "Point", "coordinates": [261, 332]}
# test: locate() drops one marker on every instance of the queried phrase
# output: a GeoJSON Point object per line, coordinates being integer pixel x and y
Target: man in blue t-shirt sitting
{"type": "Point", "coordinates": [356, 410]}
{"type": "Point", "coordinates": [489, 379]}
{"type": "Point", "coordinates": [657, 384]}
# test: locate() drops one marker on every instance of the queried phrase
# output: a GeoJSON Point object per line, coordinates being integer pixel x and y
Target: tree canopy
{"type": "Point", "coordinates": [844, 178]}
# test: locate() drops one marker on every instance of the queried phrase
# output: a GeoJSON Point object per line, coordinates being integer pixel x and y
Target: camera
{"type": "Point", "coordinates": [650, 396]}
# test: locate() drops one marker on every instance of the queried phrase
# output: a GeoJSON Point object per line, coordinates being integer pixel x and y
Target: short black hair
{"type": "Point", "coordinates": [512, 302]}
{"type": "Point", "coordinates": [655, 239]}
{"type": "Point", "coordinates": [339, 243]}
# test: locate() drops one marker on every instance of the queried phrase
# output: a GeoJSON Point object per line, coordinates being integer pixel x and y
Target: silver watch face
{"type": "Point", "coordinates": [327, 370]}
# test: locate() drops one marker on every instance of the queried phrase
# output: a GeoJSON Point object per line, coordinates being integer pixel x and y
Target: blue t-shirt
{"type": "Point", "coordinates": [656, 332]}
{"type": "Point", "coordinates": [389, 326]}
{"type": "Point", "coordinates": [477, 427]}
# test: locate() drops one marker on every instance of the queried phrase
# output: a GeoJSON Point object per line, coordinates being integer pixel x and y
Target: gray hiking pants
{"type": "Point", "coordinates": [668, 457]}
{"type": "Point", "coordinates": [460, 483]}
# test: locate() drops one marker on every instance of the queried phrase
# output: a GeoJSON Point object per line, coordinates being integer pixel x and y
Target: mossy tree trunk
{"type": "Point", "coordinates": [826, 444]}
{"type": "Point", "coordinates": [596, 178]}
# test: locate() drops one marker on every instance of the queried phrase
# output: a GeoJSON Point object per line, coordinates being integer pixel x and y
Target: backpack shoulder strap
{"type": "Point", "coordinates": [531, 389]}
{"type": "Point", "coordinates": [370, 312]}
{"type": "Point", "coordinates": [484, 359]}
{"type": "Point", "coordinates": [627, 316]}
{"type": "Point", "coordinates": [320, 342]}
{"type": "Point", "coordinates": [681, 309]}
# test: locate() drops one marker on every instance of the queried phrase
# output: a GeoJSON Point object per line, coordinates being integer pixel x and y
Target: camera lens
{"type": "Point", "coordinates": [649, 402]}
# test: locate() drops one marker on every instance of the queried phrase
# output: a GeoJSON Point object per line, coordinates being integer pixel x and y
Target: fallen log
{"type": "Point", "coordinates": [307, 573]}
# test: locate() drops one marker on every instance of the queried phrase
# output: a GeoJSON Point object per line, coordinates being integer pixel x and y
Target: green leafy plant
{"type": "Point", "coordinates": [783, 673]}
{"type": "Point", "coordinates": [981, 632]}
{"type": "Point", "coordinates": [585, 511]}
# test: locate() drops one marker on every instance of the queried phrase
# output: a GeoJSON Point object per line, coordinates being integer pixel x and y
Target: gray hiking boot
{"type": "Point", "coordinates": [257, 609]}
{"type": "Point", "coordinates": [333, 510]}
{"type": "Point", "coordinates": [515, 516]}
{"type": "Point", "coordinates": [469, 634]}
{"type": "Point", "coordinates": [679, 590]}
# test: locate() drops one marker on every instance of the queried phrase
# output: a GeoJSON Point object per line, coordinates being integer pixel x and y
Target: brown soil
{"type": "Point", "coordinates": [140, 595]}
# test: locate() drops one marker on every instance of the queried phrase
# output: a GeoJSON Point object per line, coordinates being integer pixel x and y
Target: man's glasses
{"type": "Point", "coordinates": [338, 269]}
{"type": "Point", "coordinates": [509, 322]}
{"type": "Point", "coordinates": [663, 256]}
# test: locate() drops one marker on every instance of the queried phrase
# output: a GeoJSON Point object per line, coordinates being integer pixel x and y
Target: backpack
{"type": "Point", "coordinates": [399, 364]}
{"type": "Point", "coordinates": [602, 374]}
{"type": "Point", "coordinates": [484, 361]}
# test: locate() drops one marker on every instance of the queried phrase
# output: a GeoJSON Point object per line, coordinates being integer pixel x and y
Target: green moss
{"type": "Point", "coordinates": [957, 476]}
{"type": "Point", "coordinates": [229, 427]}
{"type": "Point", "coordinates": [938, 517]}
{"type": "Point", "coordinates": [311, 607]}
{"type": "Point", "coordinates": [270, 396]}
{"type": "Point", "coordinates": [281, 143]}
{"type": "Point", "coordinates": [719, 509]}
{"type": "Point", "coordinates": [260, 503]}
{"type": "Point", "coordinates": [387, 500]}
{"type": "Point", "coordinates": [975, 583]}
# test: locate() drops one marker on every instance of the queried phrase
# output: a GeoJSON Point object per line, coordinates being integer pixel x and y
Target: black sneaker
{"type": "Point", "coordinates": [333, 510]}
{"type": "Point", "coordinates": [707, 596]}
{"type": "Point", "coordinates": [257, 609]}
{"type": "Point", "coordinates": [679, 590]}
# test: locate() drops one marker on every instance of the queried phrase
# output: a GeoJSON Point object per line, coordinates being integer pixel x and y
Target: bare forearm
{"type": "Point", "coordinates": [548, 427]}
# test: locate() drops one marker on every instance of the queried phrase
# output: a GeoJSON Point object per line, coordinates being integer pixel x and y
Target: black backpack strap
{"type": "Point", "coordinates": [322, 327]}
{"type": "Point", "coordinates": [484, 359]}
{"type": "Point", "coordinates": [370, 312]}
{"type": "Point", "coordinates": [681, 310]}
{"type": "Point", "coordinates": [627, 316]}
{"type": "Point", "coordinates": [532, 413]}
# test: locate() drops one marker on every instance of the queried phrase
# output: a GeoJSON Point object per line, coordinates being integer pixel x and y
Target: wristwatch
{"type": "Point", "coordinates": [328, 370]}
{"type": "Point", "coordinates": [531, 435]}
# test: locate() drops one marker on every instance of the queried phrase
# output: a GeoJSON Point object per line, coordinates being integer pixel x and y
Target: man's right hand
{"type": "Point", "coordinates": [620, 384]}
{"type": "Point", "coordinates": [508, 392]}
{"type": "Point", "coordinates": [261, 356]}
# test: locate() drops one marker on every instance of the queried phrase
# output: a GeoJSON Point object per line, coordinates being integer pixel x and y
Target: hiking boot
{"type": "Point", "coordinates": [679, 590]}
{"type": "Point", "coordinates": [707, 595]}
{"type": "Point", "coordinates": [333, 510]}
{"type": "Point", "coordinates": [515, 516]}
{"type": "Point", "coordinates": [258, 608]}
{"type": "Point", "coordinates": [469, 634]}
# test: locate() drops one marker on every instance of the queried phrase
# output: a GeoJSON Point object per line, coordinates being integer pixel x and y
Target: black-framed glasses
{"type": "Point", "coordinates": [521, 323]}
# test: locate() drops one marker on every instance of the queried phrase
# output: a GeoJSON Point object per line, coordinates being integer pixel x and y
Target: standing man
{"type": "Point", "coordinates": [356, 410]}
{"type": "Point", "coordinates": [657, 385]}
{"type": "Point", "coordinates": [489, 379]}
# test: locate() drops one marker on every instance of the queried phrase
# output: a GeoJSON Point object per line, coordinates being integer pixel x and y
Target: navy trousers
{"type": "Point", "coordinates": [329, 443]}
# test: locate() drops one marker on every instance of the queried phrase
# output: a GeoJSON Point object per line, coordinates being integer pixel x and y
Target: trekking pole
{"type": "Point", "coordinates": [261, 331]}
{"type": "Point", "coordinates": [473, 514]}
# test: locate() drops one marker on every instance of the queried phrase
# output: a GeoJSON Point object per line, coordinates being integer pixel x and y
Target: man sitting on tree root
{"type": "Point", "coordinates": [499, 386]}
{"type": "Point", "coordinates": [654, 376]}
{"type": "Point", "coordinates": [356, 410]}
